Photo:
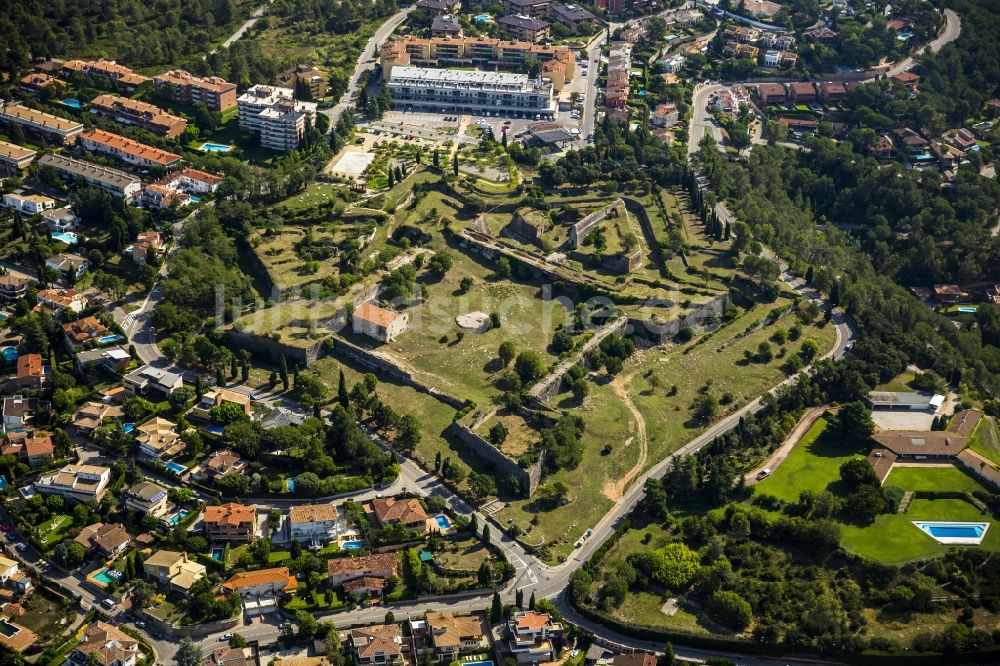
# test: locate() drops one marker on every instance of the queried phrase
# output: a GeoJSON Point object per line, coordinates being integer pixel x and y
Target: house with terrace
{"type": "Point", "coordinates": [314, 524]}
{"type": "Point", "coordinates": [105, 644]}
{"type": "Point", "coordinates": [147, 498]}
{"type": "Point", "coordinates": [935, 446]}
{"type": "Point", "coordinates": [376, 645]}
{"type": "Point", "coordinates": [230, 656]}
{"type": "Point", "coordinates": [113, 360]}
{"type": "Point", "coordinates": [31, 375]}
{"type": "Point", "coordinates": [55, 301]}
{"type": "Point", "coordinates": [92, 415]}
{"type": "Point", "coordinates": [34, 448]}
{"type": "Point", "coordinates": [218, 397]}
{"type": "Point", "coordinates": [375, 568]}
{"type": "Point", "coordinates": [83, 332]}
{"type": "Point", "coordinates": [14, 287]}
{"type": "Point", "coordinates": [158, 439]}
{"type": "Point", "coordinates": [531, 637]}
{"type": "Point", "coordinates": [261, 589]}
{"type": "Point", "coordinates": [83, 483]}
{"type": "Point", "coordinates": [409, 513]}
{"type": "Point", "coordinates": [60, 220]}
{"type": "Point", "coordinates": [105, 540]}
{"type": "Point", "coordinates": [150, 381]}
{"type": "Point", "coordinates": [19, 412]}
{"type": "Point", "coordinates": [230, 522]}
{"type": "Point", "coordinates": [447, 637]}
{"type": "Point", "coordinates": [173, 570]}
{"type": "Point", "coordinates": [219, 465]}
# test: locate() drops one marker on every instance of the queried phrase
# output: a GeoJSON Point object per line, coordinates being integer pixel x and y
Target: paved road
{"type": "Point", "coordinates": [365, 62]}
{"type": "Point", "coordinates": [254, 17]}
{"type": "Point", "coordinates": [951, 31]}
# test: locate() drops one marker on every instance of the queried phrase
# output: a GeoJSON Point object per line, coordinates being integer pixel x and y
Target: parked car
{"type": "Point", "coordinates": [763, 474]}
{"type": "Point", "coordinates": [225, 637]}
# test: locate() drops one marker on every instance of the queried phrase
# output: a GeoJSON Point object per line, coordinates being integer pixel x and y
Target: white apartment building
{"type": "Point", "coordinates": [80, 482]}
{"type": "Point", "coordinates": [473, 92]}
{"type": "Point", "coordinates": [314, 524]}
{"type": "Point", "coordinates": [275, 115]}
{"type": "Point", "coordinates": [28, 204]}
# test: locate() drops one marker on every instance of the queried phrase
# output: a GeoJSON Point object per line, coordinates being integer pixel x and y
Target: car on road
{"type": "Point", "coordinates": [21, 546]}
{"type": "Point", "coordinates": [763, 474]}
{"type": "Point", "coordinates": [140, 624]}
{"type": "Point", "coordinates": [109, 604]}
{"type": "Point", "coordinates": [225, 637]}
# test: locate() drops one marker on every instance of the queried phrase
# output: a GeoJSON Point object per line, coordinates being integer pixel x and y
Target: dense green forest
{"type": "Point", "coordinates": [141, 34]}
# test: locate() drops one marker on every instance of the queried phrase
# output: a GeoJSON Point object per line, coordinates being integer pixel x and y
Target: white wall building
{"type": "Point", "coordinates": [460, 91]}
{"type": "Point", "coordinates": [275, 115]}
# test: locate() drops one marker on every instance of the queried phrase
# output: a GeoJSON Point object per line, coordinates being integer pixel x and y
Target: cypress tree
{"type": "Point", "coordinates": [454, 165]}
{"type": "Point", "coordinates": [233, 369]}
{"type": "Point", "coordinates": [519, 598]}
{"type": "Point", "coordinates": [437, 159]}
{"type": "Point", "coordinates": [531, 601]}
{"type": "Point", "coordinates": [810, 274]}
{"type": "Point", "coordinates": [437, 468]}
{"type": "Point", "coordinates": [343, 396]}
{"type": "Point", "coordinates": [486, 533]}
{"type": "Point", "coordinates": [496, 610]}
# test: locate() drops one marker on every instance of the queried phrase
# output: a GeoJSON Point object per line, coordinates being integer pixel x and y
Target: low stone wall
{"type": "Point", "coordinates": [503, 464]}
{"type": "Point", "coordinates": [259, 344]}
{"type": "Point", "coordinates": [580, 230]}
{"type": "Point", "coordinates": [659, 332]}
{"type": "Point", "coordinates": [191, 630]}
{"type": "Point", "coordinates": [548, 386]}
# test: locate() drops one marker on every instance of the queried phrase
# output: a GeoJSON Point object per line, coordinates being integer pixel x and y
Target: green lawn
{"type": "Point", "coordinates": [54, 529]}
{"type": "Point", "coordinates": [814, 464]}
{"type": "Point", "coordinates": [932, 479]}
{"type": "Point", "coordinates": [893, 539]}
{"type": "Point", "coordinates": [900, 382]}
{"type": "Point", "coordinates": [985, 441]}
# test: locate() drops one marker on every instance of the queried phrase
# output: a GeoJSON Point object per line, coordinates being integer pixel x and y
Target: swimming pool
{"type": "Point", "coordinates": [72, 103]}
{"type": "Point", "coordinates": [968, 534]}
{"type": "Point", "coordinates": [291, 485]}
{"type": "Point", "coordinates": [215, 148]}
{"type": "Point", "coordinates": [9, 354]}
{"type": "Point", "coordinates": [442, 521]}
{"type": "Point", "coordinates": [217, 554]}
{"type": "Point", "coordinates": [3, 483]}
{"type": "Point", "coordinates": [67, 237]}
{"type": "Point", "coordinates": [128, 427]}
{"type": "Point", "coordinates": [108, 339]}
{"type": "Point", "coordinates": [176, 468]}
{"type": "Point", "coordinates": [478, 663]}
{"type": "Point", "coordinates": [195, 199]}
{"type": "Point", "coordinates": [178, 517]}
{"type": "Point", "coordinates": [967, 309]}
{"type": "Point", "coordinates": [351, 545]}
{"type": "Point", "coordinates": [8, 629]}
{"type": "Point", "coordinates": [107, 576]}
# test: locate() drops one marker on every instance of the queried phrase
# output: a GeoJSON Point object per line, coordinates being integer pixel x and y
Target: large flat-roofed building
{"type": "Point", "coordinates": [460, 91]}
{"type": "Point", "coordinates": [119, 75]}
{"type": "Point", "coordinates": [149, 380]}
{"type": "Point", "coordinates": [523, 27]}
{"type": "Point", "coordinates": [105, 178]}
{"type": "Point", "coordinates": [14, 158]}
{"type": "Point", "coordinates": [80, 482]}
{"type": "Point", "coordinates": [275, 115]}
{"type": "Point", "coordinates": [127, 150]}
{"type": "Point", "coordinates": [905, 400]}
{"type": "Point", "coordinates": [480, 52]}
{"type": "Point", "coordinates": [51, 127]}
{"type": "Point", "coordinates": [133, 112]}
{"type": "Point", "coordinates": [215, 93]}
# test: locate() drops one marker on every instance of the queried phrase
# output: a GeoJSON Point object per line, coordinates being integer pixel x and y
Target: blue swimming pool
{"type": "Point", "coordinates": [478, 663]}
{"type": "Point", "coordinates": [195, 199]}
{"type": "Point", "coordinates": [291, 485]}
{"type": "Point", "coordinates": [967, 309]}
{"type": "Point", "coordinates": [217, 554]}
{"type": "Point", "coordinates": [954, 533]}
{"type": "Point", "coordinates": [4, 315]}
{"type": "Point", "coordinates": [3, 483]}
{"type": "Point", "coordinates": [176, 468]}
{"type": "Point", "coordinates": [107, 576]}
{"type": "Point", "coordinates": [9, 354]}
{"type": "Point", "coordinates": [442, 521]}
{"type": "Point", "coordinates": [67, 237]}
{"type": "Point", "coordinates": [128, 427]}
{"type": "Point", "coordinates": [178, 517]}
{"type": "Point", "coordinates": [351, 545]}
{"type": "Point", "coordinates": [72, 103]}
{"type": "Point", "coordinates": [108, 339]}
{"type": "Point", "coordinates": [215, 148]}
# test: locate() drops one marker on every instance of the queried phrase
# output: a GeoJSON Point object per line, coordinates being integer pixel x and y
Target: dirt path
{"type": "Point", "coordinates": [615, 490]}
{"type": "Point", "coordinates": [778, 457]}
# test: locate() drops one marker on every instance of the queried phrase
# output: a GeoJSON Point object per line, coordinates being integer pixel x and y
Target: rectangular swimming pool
{"type": "Point", "coordinates": [957, 533]}
{"type": "Point", "coordinates": [176, 468]}
{"type": "Point", "coordinates": [72, 103]}
{"type": "Point", "coordinates": [215, 148]}
{"type": "Point", "coordinates": [8, 629]}
{"type": "Point", "coordinates": [217, 554]}
{"type": "Point", "coordinates": [104, 576]}
{"type": "Point", "coordinates": [442, 521]}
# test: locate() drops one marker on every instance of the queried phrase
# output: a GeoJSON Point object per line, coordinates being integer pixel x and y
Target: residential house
{"type": "Point", "coordinates": [105, 644]}
{"type": "Point", "coordinates": [84, 331]}
{"type": "Point", "coordinates": [317, 82]}
{"type": "Point", "coordinates": [28, 204]}
{"type": "Point", "coordinates": [674, 63]}
{"type": "Point", "coordinates": [148, 380]}
{"type": "Point", "coordinates": [14, 287]}
{"type": "Point", "coordinates": [19, 412]}
{"type": "Point", "coordinates": [107, 540]}
{"type": "Point", "coordinates": [771, 93]}
{"type": "Point", "coordinates": [174, 570]}
{"type": "Point", "coordinates": [147, 498]}
{"type": "Point", "coordinates": [314, 524]}
{"type": "Point", "coordinates": [665, 115]}
{"type": "Point", "coordinates": [379, 323]}
{"type": "Point", "coordinates": [761, 9]}
{"type": "Point", "coordinates": [376, 644]}
{"type": "Point", "coordinates": [964, 140]}
{"type": "Point", "coordinates": [832, 92]}
{"type": "Point", "coordinates": [157, 197]}
{"type": "Point", "coordinates": [30, 373]}
{"type": "Point", "coordinates": [140, 114]}
{"type": "Point", "coordinates": [68, 264]}
{"type": "Point", "coordinates": [572, 16]}
{"type": "Point", "coordinates": [60, 219]}
{"type": "Point", "coordinates": [526, 28]}
{"type": "Point", "coordinates": [192, 181]}
{"type": "Point", "coordinates": [127, 150]}
{"type": "Point", "coordinates": [52, 128]}
{"type": "Point", "coordinates": [83, 483]}
{"type": "Point", "coordinates": [446, 25]}
{"type": "Point", "coordinates": [743, 33]}
{"type": "Point", "coordinates": [908, 80]}
{"type": "Point", "coordinates": [536, 8]}
{"type": "Point", "coordinates": [36, 82]}
{"type": "Point", "coordinates": [882, 149]}
{"type": "Point", "coordinates": [634, 659]}
{"type": "Point", "coordinates": [113, 181]}
{"type": "Point", "coordinates": [230, 656]}
{"type": "Point", "coordinates": [158, 439]}
{"type": "Point", "coordinates": [822, 35]}
{"type": "Point", "coordinates": [34, 448]}
{"type": "Point", "coordinates": [10, 572]}
{"type": "Point", "coordinates": [261, 589]}
{"type": "Point", "coordinates": [409, 513]}
{"type": "Point", "coordinates": [111, 359]}
{"type": "Point", "coordinates": [438, 7]}
{"type": "Point", "coordinates": [92, 415]}
{"type": "Point", "coordinates": [737, 50]}
{"type": "Point", "coordinates": [215, 93]}
{"type": "Point", "coordinates": [378, 565]}
{"type": "Point", "coordinates": [449, 637]}
{"type": "Point", "coordinates": [144, 242]}
{"type": "Point", "coordinates": [218, 397]}
{"type": "Point", "coordinates": [366, 587]}
{"type": "Point", "coordinates": [531, 637]}
{"type": "Point", "coordinates": [219, 465]}
{"type": "Point", "coordinates": [230, 522]}
{"type": "Point", "coordinates": [950, 294]}
{"type": "Point", "coordinates": [801, 93]}
{"type": "Point", "coordinates": [116, 74]}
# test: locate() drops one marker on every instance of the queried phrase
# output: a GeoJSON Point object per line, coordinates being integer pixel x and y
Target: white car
{"type": "Point", "coordinates": [225, 637]}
